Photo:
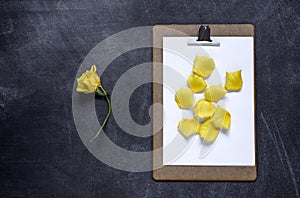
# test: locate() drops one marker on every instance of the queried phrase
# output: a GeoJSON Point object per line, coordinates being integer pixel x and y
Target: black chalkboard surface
{"type": "Point", "coordinates": [43, 44]}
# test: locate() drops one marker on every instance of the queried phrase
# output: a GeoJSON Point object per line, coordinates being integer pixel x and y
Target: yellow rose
{"type": "Point", "coordinates": [89, 81]}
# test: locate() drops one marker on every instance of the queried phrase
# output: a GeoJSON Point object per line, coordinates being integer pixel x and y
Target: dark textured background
{"type": "Point", "coordinates": [43, 43]}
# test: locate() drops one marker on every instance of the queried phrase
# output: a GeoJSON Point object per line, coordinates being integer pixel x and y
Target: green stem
{"type": "Point", "coordinates": [106, 118]}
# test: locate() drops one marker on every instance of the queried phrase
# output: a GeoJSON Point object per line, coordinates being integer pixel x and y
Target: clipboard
{"type": "Point", "coordinates": [194, 172]}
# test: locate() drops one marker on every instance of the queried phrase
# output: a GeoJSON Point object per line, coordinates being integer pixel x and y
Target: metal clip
{"type": "Point", "coordinates": [203, 38]}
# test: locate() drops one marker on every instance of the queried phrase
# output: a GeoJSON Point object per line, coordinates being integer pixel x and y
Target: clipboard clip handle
{"type": "Point", "coordinates": [203, 38]}
{"type": "Point", "coordinates": [204, 33]}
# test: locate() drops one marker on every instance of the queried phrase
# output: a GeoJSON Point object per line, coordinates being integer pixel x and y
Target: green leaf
{"type": "Point", "coordinates": [101, 92]}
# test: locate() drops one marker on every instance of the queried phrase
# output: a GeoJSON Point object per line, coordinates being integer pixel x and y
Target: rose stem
{"type": "Point", "coordinates": [106, 118]}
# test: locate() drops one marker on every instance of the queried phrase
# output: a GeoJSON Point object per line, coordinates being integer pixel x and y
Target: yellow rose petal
{"type": "Point", "coordinates": [89, 81]}
{"type": "Point", "coordinates": [221, 118]}
{"type": "Point", "coordinates": [215, 93]}
{"type": "Point", "coordinates": [204, 109]}
{"type": "Point", "coordinates": [188, 127]}
{"type": "Point", "coordinates": [93, 68]}
{"type": "Point", "coordinates": [184, 98]}
{"type": "Point", "coordinates": [203, 66]}
{"type": "Point", "coordinates": [234, 81]}
{"type": "Point", "coordinates": [196, 83]}
{"type": "Point", "coordinates": [93, 76]}
{"type": "Point", "coordinates": [207, 131]}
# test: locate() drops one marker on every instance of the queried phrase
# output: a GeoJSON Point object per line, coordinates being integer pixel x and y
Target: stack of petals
{"type": "Point", "coordinates": [208, 119]}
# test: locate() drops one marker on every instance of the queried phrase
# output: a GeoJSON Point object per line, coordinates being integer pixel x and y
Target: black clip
{"type": "Point", "coordinates": [204, 33]}
{"type": "Point", "coordinates": [203, 38]}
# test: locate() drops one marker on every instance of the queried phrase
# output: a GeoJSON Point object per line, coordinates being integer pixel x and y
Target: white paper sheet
{"type": "Point", "coordinates": [234, 147]}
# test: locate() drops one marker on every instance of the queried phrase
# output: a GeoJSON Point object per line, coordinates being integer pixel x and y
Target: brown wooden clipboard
{"type": "Point", "coordinates": [190, 173]}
